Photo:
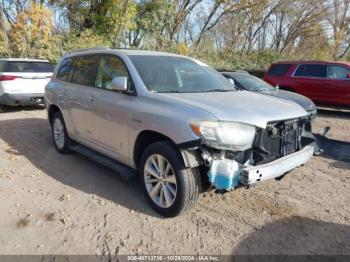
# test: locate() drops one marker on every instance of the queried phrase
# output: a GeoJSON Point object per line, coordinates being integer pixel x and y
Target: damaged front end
{"type": "Point", "coordinates": [274, 151]}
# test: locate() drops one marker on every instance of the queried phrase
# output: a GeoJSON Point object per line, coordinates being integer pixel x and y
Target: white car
{"type": "Point", "coordinates": [23, 81]}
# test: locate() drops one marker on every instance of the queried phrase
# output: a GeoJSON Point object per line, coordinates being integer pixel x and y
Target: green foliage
{"type": "Point", "coordinates": [85, 39]}
{"type": "Point", "coordinates": [152, 20]}
{"type": "Point", "coordinates": [31, 35]}
{"type": "Point", "coordinates": [3, 44]}
{"type": "Point", "coordinates": [114, 18]}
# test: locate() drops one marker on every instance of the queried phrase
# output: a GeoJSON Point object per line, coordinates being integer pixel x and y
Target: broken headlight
{"type": "Point", "coordinates": [224, 135]}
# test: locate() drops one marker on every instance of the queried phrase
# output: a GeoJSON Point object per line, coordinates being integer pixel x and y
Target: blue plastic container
{"type": "Point", "coordinates": [224, 174]}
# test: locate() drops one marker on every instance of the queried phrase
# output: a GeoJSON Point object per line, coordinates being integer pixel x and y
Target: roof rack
{"type": "Point", "coordinates": [88, 49]}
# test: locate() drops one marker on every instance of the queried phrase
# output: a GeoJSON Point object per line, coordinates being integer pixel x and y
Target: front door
{"type": "Point", "coordinates": [311, 81]}
{"type": "Point", "coordinates": [109, 111]}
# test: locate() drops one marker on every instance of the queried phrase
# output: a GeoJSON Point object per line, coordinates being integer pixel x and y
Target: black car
{"type": "Point", "coordinates": [245, 81]}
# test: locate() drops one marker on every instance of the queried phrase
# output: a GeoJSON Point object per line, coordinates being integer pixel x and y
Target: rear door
{"type": "Point", "coordinates": [77, 75]}
{"type": "Point", "coordinates": [25, 77]}
{"type": "Point", "coordinates": [311, 81]}
{"type": "Point", "coordinates": [83, 78]}
{"type": "Point", "coordinates": [339, 85]}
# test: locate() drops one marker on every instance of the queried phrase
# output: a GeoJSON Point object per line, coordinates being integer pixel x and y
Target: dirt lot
{"type": "Point", "coordinates": [55, 204]}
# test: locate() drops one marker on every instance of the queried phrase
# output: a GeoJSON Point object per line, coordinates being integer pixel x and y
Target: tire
{"type": "Point", "coordinates": [187, 181]}
{"type": "Point", "coordinates": [3, 109]}
{"type": "Point", "coordinates": [59, 134]}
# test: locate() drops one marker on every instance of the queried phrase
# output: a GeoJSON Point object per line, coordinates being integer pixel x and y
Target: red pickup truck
{"type": "Point", "coordinates": [326, 83]}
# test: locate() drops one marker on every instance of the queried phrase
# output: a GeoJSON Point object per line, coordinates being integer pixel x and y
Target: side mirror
{"type": "Point", "coordinates": [231, 81]}
{"type": "Point", "coordinates": [120, 83]}
{"type": "Point", "coordinates": [348, 76]}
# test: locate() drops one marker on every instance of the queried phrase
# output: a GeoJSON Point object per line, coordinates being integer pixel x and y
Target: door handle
{"type": "Point", "coordinates": [90, 99]}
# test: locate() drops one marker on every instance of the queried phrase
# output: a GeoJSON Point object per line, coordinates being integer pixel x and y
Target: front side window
{"type": "Point", "coordinates": [166, 74]}
{"type": "Point", "coordinates": [311, 70]}
{"type": "Point", "coordinates": [338, 72]}
{"type": "Point", "coordinates": [109, 68]}
{"type": "Point", "coordinates": [66, 70]}
{"type": "Point", "coordinates": [84, 70]}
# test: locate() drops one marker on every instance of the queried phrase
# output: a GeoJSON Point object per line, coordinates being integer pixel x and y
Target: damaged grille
{"type": "Point", "coordinates": [277, 140]}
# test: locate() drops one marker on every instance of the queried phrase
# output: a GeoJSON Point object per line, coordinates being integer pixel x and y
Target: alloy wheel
{"type": "Point", "coordinates": [58, 132]}
{"type": "Point", "coordinates": [160, 181]}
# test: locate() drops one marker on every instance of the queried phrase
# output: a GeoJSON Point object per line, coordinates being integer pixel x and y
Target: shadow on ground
{"type": "Point", "coordinates": [334, 149]}
{"type": "Point", "coordinates": [298, 236]}
{"type": "Point", "coordinates": [331, 114]}
{"type": "Point", "coordinates": [10, 109]}
{"type": "Point", "coordinates": [31, 137]}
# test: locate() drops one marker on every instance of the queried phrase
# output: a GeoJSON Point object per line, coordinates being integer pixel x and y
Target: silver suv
{"type": "Point", "coordinates": [174, 119]}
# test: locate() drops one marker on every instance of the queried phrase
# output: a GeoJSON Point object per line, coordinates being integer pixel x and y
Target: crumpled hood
{"type": "Point", "coordinates": [303, 101]}
{"type": "Point", "coordinates": [241, 106]}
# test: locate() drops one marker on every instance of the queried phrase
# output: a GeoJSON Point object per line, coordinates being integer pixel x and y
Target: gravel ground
{"type": "Point", "coordinates": [55, 204]}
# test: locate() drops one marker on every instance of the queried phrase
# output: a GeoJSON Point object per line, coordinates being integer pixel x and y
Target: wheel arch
{"type": "Point", "coordinates": [188, 150]}
{"type": "Point", "coordinates": [52, 110]}
{"type": "Point", "coordinates": [144, 139]}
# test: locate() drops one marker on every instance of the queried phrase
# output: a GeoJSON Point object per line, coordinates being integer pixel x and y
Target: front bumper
{"type": "Point", "coordinates": [21, 99]}
{"type": "Point", "coordinates": [254, 174]}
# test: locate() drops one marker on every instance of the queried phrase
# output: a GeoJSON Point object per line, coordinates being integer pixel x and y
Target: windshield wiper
{"type": "Point", "coordinates": [170, 91]}
{"type": "Point", "coordinates": [219, 90]}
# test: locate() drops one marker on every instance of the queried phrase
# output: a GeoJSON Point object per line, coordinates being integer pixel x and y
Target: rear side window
{"type": "Point", "coordinates": [66, 70]}
{"type": "Point", "coordinates": [337, 72]}
{"type": "Point", "coordinates": [279, 69]}
{"type": "Point", "coordinates": [312, 70]}
{"type": "Point", "coordinates": [84, 70]}
{"type": "Point", "coordinates": [28, 67]}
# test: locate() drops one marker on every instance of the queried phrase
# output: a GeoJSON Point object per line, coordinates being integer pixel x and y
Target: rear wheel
{"type": "Point", "coordinates": [59, 133]}
{"type": "Point", "coordinates": [169, 186]}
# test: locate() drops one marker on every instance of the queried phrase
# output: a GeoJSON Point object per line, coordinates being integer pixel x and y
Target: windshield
{"type": "Point", "coordinates": [252, 83]}
{"type": "Point", "coordinates": [28, 67]}
{"type": "Point", "coordinates": [166, 74]}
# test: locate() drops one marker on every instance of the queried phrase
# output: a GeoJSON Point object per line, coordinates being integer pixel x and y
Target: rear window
{"type": "Point", "coordinates": [28, 67]}
{"type": "Point", "coordinates": [311, 70]}
{"type": "Point", "coordinates": [279, 69]}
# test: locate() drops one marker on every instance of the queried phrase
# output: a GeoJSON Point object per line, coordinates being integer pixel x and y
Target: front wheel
{"type": "Point", "coordinates": [170, 187]}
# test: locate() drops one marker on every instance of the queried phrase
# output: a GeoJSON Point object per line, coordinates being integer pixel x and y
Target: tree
{"type": "Point", "coordinates": [338, 17]}
{"type": "Point", "coordinates": [151, 23]}
{"type": "Point", "coordinates": [110, 18]}
{"type": "Point", "coordinates": [31, 35]}
{"type": "Point", "coordinates": [3, 35]}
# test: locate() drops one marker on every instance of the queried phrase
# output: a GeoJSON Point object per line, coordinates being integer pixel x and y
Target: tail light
{"type": "Point", "coordinates": [7, 77]}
